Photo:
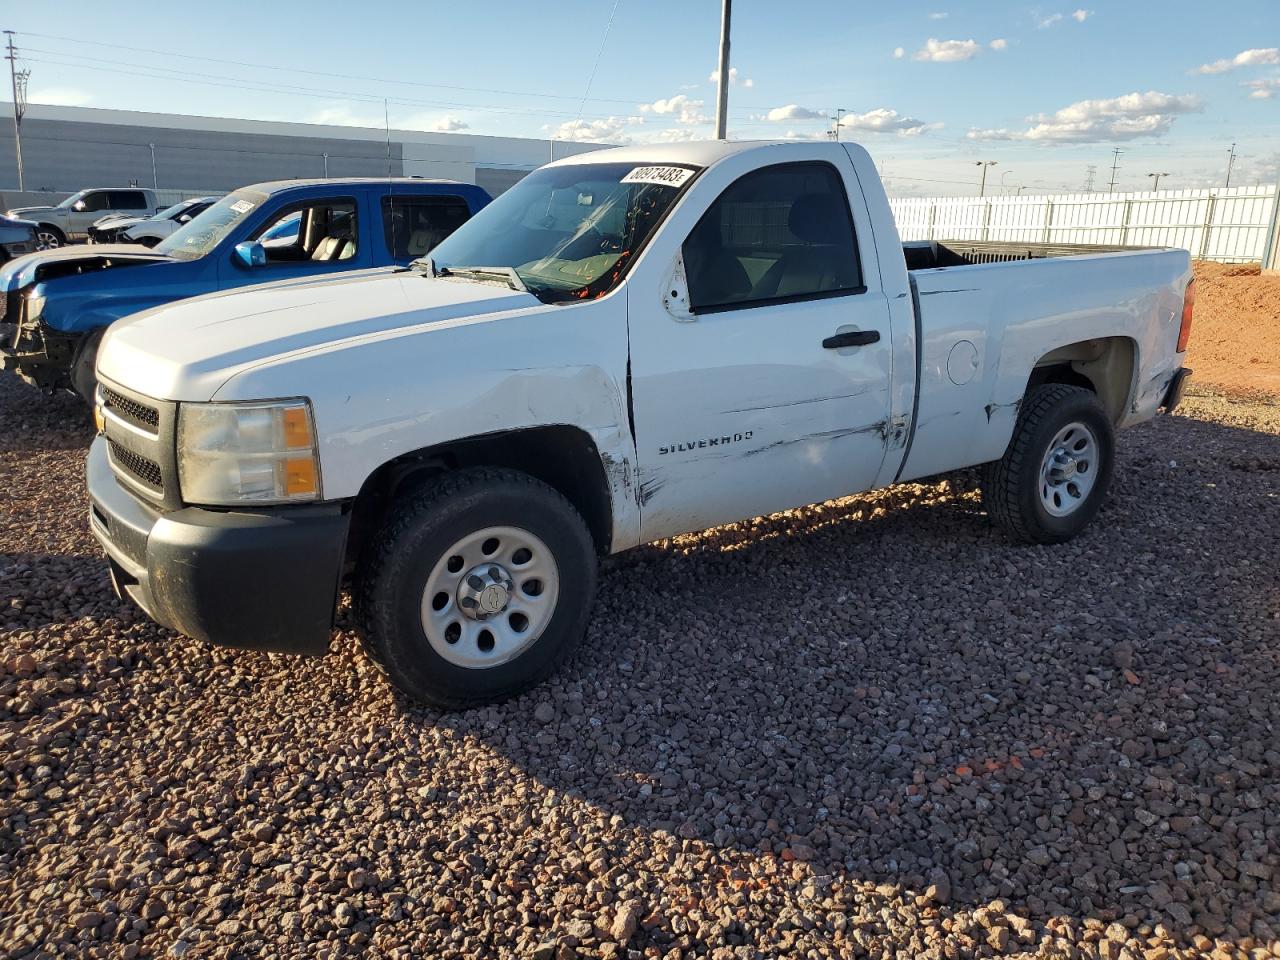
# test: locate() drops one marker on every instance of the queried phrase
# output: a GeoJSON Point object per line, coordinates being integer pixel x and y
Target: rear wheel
{"type": "Point", "coordinates": [1055, 474]}
{"type": "Point", "coordinates": [49, 237]}
{"type": "Point", "coordinates": [476, 588]}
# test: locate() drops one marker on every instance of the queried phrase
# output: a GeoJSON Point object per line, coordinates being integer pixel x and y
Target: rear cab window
{"type": "Point", "coordinates": [413, 225]}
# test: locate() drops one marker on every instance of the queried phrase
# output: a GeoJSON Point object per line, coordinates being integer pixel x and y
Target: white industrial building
{"type": "Point", "coordinates": [67, 148]}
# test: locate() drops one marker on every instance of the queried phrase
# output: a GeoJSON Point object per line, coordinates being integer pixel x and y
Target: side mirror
{"type": "Point", "coordinates": [250, 253]}
{"type": "Point", "coordinates": [78, 206]}
{"type": "Point", "coordinates": [185, 218]}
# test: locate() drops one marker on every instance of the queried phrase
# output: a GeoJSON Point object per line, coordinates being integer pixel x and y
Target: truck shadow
{"type": "Point", "coordinates": [891, 692]}
{"type": "Point", "coordinates": [29, 420]}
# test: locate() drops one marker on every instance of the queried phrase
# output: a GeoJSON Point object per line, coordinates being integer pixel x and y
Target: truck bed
{"type": "Point", "coordinates": [932, 254]}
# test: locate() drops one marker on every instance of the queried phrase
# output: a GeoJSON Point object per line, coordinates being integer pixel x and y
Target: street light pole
{"type": "Point", "coordinates": [18, 80]}
{"type": "Point", "coordinates": [840, 112]}
{"type": "Point", "coordinates": [722, 96]}
{"type": "Point", "coordinates": [982, 190]}
{"type": "Point", "coordinates": [155, 180]}
{"type": "Point", "coordinates": [1003, 189]}
{"type": "Point", "coordinates": [1156, 176]}
{"type": "Point", "coordinates": [1231, 162]}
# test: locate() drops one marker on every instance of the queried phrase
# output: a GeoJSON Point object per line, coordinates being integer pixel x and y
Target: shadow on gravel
{"type": "Point", "coordinates": [888, 688]}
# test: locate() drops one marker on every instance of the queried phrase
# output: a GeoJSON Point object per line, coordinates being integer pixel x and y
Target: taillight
{"type": "Point", "coordinates": [1188, 308]}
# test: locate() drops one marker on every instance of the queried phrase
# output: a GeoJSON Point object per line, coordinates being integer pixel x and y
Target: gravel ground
{"type": "Point", "coordinates": [867, 728]}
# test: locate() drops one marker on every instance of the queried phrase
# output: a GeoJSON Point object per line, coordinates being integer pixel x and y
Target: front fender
{"type": "Point", "coordinates": [86, 318]}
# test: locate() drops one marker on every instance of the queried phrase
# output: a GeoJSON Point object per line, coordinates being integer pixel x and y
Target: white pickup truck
{"type": "Point", "coordinates": [626, 345]}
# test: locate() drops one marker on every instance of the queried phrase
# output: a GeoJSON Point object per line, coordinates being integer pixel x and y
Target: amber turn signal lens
{"type": "Point", "coordinates": [297, 428]}
{"type": "Point", "coordinates": [299, 475]}
{"type": "Point", "coordinates": [99, 419]}
{"type": "Point", "coordinates": [1188, 308]}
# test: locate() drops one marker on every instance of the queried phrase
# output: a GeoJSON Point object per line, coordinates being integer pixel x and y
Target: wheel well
{"type": "Point", "coordinates": [1104, 365]}
{"type": "Point", "coordinates": [563, 457]}
{"type": "Point", "coordinates": [52, 227]}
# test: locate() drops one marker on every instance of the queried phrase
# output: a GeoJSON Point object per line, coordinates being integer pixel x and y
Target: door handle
{"type": "Point", "coordinates": [851, 338]}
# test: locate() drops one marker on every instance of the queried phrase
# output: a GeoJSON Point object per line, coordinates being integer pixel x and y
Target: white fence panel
{"type": "Point", "coordinates": [1216, 224]}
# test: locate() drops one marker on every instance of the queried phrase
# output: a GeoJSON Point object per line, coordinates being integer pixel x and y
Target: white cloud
{"type": "Point", "coordinates": [999, 43]}
{"type": "Point", "coordinates": [733, 78]}
{"type": "Point", "coordinates": [793, 111]}
{"type": "Point", "coordinates": [1263, 89]}
{"type": "Point", "coordinates": [1080, 16]}
{"type": "Point", "coordinates": [801, 135]}
{"type": "Point", "coordinates": [341, 115]}
{"type": "Point", "coordinates": [675, 135]}
{"type": "Point", "coordinates": [680, 106]}
{"type": "Point", "coordinates": [899, 53]}
{"type": "Point", "coordinates": [938, 16]}
{"type": "Point", "coordinates": [1049, 21]}
{"type": "Point", "coordinates": [1133, 115]}
{"type": "Point", "coordinates": [610, 130]}
{"type": "Point", "coordinates": [947, 51]}
{"type": "Point", "coordinates": [449, 124]}
{"type": "Point", "coordinates": [1263, 56]}
{"type": "Point", "coordinates": [60, 96]}
{"type": "Point", "coordinates": [883, 120]}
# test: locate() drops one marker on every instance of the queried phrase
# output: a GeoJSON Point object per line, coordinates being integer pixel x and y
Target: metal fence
{"type": "Point", "coordinates": [1229, 224]}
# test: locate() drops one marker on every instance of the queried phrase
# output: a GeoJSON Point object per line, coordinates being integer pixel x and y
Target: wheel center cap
{"type": "Point", "coordinates": [485, 591]}
{"type": "Point", "coordinates": [492, 598]}
{"type": "Point", "coordinates": [1064, 467]}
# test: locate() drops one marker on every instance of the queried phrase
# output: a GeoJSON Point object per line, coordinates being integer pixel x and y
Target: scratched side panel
{"type": "Point", "coordinates": [402, 390]}
{"type": "Point", "coordinates": [1014, 314]}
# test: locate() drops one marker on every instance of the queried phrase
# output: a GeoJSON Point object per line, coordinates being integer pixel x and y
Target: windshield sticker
{"type": "Point", "coordinates": [666, 176]}
{"type": "Point", "coordinates": [242, 206]}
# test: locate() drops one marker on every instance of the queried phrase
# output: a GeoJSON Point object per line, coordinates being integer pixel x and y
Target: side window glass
{"type": "Point", "coordinates": [780, 233]}
{"type": "Point", "coordinates": [322, 232]}
{"type": "Point", "coordinates": [412, 226]}
{"type": "Point", "coordinates": [127, 200]}
{"type": "Point", "coordinates": [96, 201]}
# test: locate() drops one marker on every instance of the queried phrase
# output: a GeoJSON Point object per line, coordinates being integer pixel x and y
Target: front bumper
{"type": "Point", "coordinates": [262, 580]}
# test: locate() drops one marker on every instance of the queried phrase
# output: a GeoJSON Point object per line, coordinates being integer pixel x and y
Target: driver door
{"type": "Point", "coordinates": [772, 389]}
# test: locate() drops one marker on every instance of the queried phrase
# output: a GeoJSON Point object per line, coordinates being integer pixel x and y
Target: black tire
{"type": "Point", "coordinates": [1011, 485]}
{"type": "Point", "coordinates": [84, 375]}
{"type": "Point", "coordinates": [393, 572]}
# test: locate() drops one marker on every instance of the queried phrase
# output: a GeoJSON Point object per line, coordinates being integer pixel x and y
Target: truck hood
{"type": "Point", "coordinates": [23, 211]}
{"type": "Point", "coordinates": [47, 264]}
{"type": "Point", "coordinates": [187, 350]}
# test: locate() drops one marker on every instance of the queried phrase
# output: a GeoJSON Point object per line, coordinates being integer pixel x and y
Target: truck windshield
{"type": "Point", "coordinates": [566, 233]}
{"type": "Point", "coordinates": [71, 201]}
{"type": "Point", "coordinates": [201, 234]}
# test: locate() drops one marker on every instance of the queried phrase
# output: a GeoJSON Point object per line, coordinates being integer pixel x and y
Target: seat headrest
{"type": "Point", "coordinates": [817, 218]}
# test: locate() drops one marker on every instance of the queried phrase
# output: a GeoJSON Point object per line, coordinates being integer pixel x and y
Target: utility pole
{"type": "Point", "coordinates": [835, 130]}
{"type": "Point", "coordinates": [1231, 162]}
{"type": "Point", "coordinates": [155, 180]}
{"type": "Point", "coordinates": [722, 96]}
{"type": "Point", "coordinates": [325, 157]}
{"type": "Point", "coordinates": [1115, 166]}
{"type": "Point", "coordinates": [18, 79]}
{"type": "Point", "coordinates": [982, 190]}
{"type": "Point", "coordinates": [1091, 171]}
{"type": "Point", "coordinates": [1156, 186]}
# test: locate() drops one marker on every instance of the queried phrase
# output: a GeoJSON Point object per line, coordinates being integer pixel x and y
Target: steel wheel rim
{"type": "Point", "coordinates": [1069, 470]}
{"type": "Point", "coordinates": [47, 241]}
{"type": "Point", "coordinates": [482, 608]}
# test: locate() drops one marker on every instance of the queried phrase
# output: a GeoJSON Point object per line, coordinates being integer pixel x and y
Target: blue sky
{"type": "Point", "coordinates": [1044, 89]}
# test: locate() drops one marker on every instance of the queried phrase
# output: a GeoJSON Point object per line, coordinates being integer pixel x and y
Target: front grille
{"type": "Point", "coordinates": [139, 414]}
{"type": "Point", "coordinates": [146, 472]}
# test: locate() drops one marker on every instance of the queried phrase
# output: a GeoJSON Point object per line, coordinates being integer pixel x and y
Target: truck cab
{"type": "Point", "coordinates": [57, 303]}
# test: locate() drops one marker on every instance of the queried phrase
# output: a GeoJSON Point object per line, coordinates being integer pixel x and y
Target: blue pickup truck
{"type": "Point", "coordinates": [57, 303]}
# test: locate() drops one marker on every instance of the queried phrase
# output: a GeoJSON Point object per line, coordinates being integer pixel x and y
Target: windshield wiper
{"type": "Point", "coordinates": [485, 273]}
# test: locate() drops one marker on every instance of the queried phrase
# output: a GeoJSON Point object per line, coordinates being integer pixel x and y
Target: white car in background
{"type": "Point", "coordinates": [148, 231]}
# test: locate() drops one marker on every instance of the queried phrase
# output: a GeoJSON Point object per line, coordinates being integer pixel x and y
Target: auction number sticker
{"type": "Point", "coordinates": [666, 176]}
{"type": "Point", "coordinates": [242, 206]}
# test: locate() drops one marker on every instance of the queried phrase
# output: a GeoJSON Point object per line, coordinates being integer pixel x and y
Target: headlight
{"type": "Point", "coordinates": [231, 453]}
{"type": "Point", "coordinates": [35, 307]}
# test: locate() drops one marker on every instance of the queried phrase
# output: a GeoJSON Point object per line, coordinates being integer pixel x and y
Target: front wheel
{"type": "Point", "coordinates": [1055, 474]}
{"type": "Point", "coordinates": [49, 237]}
{"type": "Point", "coordinates": [476, 588]}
